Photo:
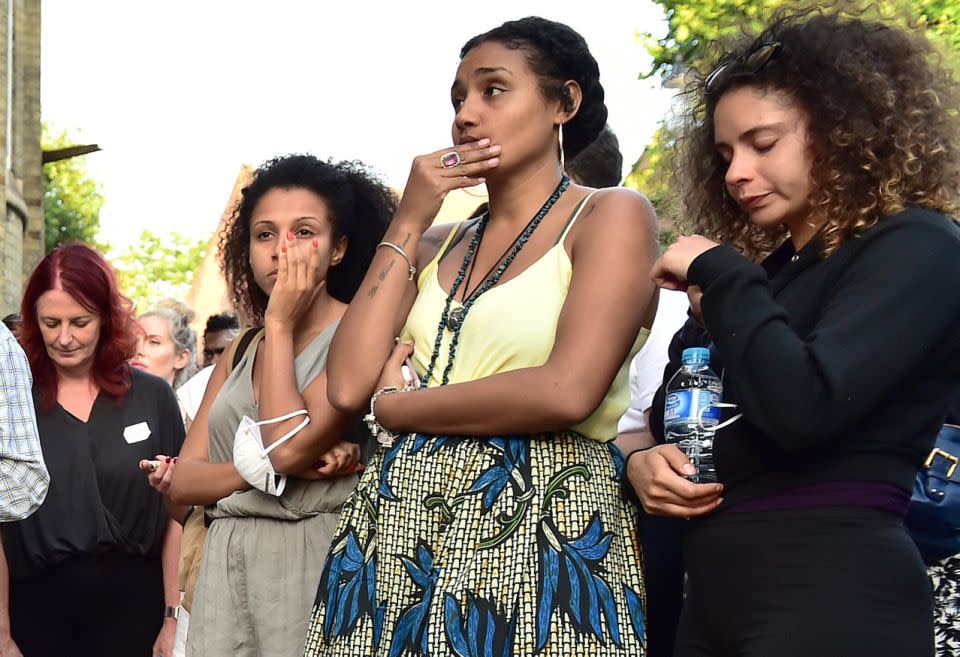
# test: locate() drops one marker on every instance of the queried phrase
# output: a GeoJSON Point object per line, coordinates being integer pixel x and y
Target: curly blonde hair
{"type": "Point", "coordinates": [884, 128]}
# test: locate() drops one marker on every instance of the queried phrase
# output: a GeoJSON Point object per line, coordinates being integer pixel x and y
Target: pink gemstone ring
{"type": "Point", "coordinates": [450, 160]}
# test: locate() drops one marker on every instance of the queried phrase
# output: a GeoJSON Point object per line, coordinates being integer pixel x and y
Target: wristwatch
{"type": "Point", "coordinates": [171, 612]}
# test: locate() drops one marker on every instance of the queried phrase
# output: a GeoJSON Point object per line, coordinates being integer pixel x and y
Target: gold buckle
{"type": "Point", "coordinates": [946, 455]}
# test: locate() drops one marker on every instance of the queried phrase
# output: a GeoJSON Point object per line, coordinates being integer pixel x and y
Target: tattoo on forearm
{"type": "Point", "coordinates": [405, 240]}
{"type": "Point", "coordinates": [373, 291]}
{"type": "Point", "coordinates": [386, 270]}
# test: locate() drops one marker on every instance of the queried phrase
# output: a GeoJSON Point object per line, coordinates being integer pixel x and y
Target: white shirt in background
{"type": "Point", "coordinates": [190, 394]}
{"type": "Point", "coordinates": [646, 370]}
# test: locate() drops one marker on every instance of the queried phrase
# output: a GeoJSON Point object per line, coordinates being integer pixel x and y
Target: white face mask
{"type": "Point", "coordinates": [253, 461]}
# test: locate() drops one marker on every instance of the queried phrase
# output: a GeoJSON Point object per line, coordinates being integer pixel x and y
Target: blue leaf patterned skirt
{"type": "Point", "coordinates": [484, 546]}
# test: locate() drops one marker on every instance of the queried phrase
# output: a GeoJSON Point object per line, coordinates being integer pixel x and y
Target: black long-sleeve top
{"type": "Point", "coordinates": [843, 367]}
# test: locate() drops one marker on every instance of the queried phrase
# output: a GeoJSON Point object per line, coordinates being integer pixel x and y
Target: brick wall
{"type": "Point", "coordinates": [21, 187]}
{"type": "Point", "coordinates": [26, 127]}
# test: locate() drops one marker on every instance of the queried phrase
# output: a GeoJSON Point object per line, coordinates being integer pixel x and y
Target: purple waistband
{"type": "Point", "coordinates": [879, 495]}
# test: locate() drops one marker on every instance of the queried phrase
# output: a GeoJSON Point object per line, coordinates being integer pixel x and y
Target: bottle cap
{"type": "Point", "coordinates": [696, 356]}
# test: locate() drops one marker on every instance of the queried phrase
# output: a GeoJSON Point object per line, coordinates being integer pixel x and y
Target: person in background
{"type": "Point", "coordinates": [168, 344]}
{"type": "Point", "coordinates": [220, 331]}
{"type": "Point", "coordinates": [13, 324]}
{"type": "Point", "coordinates": [167, 348]}
{"type": "Point", "coordinates": [294, 254]}
{"type": "Point", "coordinates": [91, 573]}
{"type": "Point", "coordinates": [945, 578]}
{"type": "Point", "coordinates": [831, 143]}
{"type": "Point", "coordinates": [600, 164]}
{"type": "Point", "coordinates": [660, 537]}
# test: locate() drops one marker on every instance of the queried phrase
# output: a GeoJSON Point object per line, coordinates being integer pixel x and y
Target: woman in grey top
{"type": "Point", "coordinates": [294, 254]}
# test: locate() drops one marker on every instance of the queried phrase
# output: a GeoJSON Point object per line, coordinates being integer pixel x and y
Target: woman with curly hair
{"type": "Point", "coordinates": [94, 570]}
{"type": "Point", "coordinates": [293, 255]}
{"type": "Point", "coordinates": [835, 142]}
{"type": "Point", "coordinates": [490, 522]}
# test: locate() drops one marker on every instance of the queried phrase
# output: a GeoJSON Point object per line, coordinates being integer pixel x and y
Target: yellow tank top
{"type": "Point", "coordinates": [511, 326]}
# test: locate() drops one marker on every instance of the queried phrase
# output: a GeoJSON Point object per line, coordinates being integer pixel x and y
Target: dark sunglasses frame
{"type": "Point", "coordinates": [750, 64]}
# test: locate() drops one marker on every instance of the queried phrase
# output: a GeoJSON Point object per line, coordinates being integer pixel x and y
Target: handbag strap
{"type": "Point", "coordinates": [239, 347]}
{"type": "Point", "coordinates": [235, 353]}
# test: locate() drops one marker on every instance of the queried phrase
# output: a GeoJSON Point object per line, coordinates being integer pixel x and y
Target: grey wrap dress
{"type": "Point", "coordinates": [263, 554]}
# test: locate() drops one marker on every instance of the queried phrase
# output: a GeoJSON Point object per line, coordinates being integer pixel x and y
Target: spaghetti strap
{"type": "Point", "coordinates": [451, 244]}
{"type": "Point", "coordinates": [442, 251]}
{"type": "Point", "coordinates": [574, 215]}
{"type": "Point", "coordinates": [446, 246]}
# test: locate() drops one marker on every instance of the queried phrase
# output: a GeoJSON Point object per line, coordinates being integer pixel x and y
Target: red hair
{"type": "Point", "coordinates": [85, 275]}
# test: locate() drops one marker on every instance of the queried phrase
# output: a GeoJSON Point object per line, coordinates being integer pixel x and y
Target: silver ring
{"type": "Point", "coordinates": [450, 159]}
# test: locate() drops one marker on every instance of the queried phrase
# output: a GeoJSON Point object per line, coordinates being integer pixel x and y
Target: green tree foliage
{"type": "Point", "coordinates": [71, 198]}
{"type": "Point", "coordinates": [692, 25]}
{"type": "Point", "coordinates": [158, 267]}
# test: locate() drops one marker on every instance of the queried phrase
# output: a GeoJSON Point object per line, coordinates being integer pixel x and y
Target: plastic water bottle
{"type": "Point", "coordinates": [693, 387]}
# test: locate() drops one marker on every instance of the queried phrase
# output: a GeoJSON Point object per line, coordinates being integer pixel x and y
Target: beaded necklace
{"type": "Point", "coordinates": [455, 319]}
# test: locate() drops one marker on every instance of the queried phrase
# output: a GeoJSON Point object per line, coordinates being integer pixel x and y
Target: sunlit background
{"type": "Point", "coordinates": [179, 94]}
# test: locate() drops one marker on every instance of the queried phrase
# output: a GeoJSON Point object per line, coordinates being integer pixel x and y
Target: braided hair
{"type": "Point", "coordinates": [556, 53]}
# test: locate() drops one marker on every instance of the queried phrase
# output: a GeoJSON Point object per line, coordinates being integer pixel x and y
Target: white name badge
{"type": "Point", "coordinates": [136, 433]}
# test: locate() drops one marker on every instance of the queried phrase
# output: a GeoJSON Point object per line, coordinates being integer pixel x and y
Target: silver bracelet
{"type": "Point", "coordinates": [384, 437]}
{"type": "Point", "coordinates": [411, 270]}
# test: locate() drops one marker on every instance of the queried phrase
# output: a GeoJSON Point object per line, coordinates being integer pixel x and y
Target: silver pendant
{"type": "Point", "coordinates": [455, 318]}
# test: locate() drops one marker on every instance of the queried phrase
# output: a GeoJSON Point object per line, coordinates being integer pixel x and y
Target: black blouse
{"type": "Point", "coordinates": [99, 501]}
{"type": "Point", "coordinates": [842, 367]}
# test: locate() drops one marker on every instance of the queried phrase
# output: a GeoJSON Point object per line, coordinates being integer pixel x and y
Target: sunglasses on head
{"type": "Point", "coordinates": [749, 64]}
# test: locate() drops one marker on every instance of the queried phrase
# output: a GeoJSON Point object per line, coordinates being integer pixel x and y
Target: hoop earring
{"type": "Point", "coordinates": [562, 162]}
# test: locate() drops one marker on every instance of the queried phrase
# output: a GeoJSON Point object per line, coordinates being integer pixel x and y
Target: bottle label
{"type": "Point", "coordinates": [682, 406]}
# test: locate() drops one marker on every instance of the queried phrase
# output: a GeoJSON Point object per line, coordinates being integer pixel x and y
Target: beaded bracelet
{"type": "Point", "coordinates": [383, 436]}
{"type": "Point", "coordinates": [411, 270]}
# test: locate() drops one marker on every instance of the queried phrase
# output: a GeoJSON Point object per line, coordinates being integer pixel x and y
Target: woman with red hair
{"type": "Point", "coordinates": [90, 573]}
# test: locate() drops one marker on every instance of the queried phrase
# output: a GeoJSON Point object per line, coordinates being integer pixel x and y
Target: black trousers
{"type": "Point", "coordinates": [89, 606]}
{"type": "Point", "coordinates": [663, 580]}
{"type": "Point", "coordinates": [828, 582]}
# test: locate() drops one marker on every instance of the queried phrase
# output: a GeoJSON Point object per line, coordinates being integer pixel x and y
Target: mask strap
{"type": "Point", "coordinates": [287, 436]}
{"type": "Point", "coordinates": [722, 424]}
